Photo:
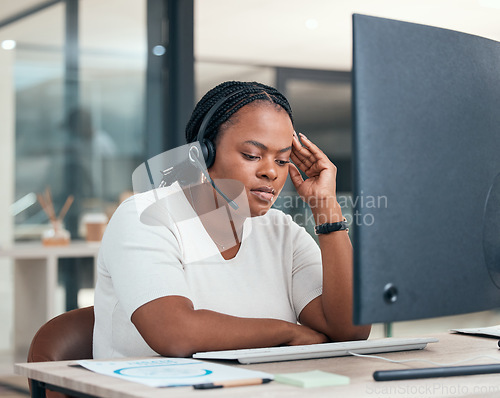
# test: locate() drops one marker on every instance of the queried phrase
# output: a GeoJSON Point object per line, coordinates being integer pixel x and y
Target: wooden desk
{"type": "Point", "coordinates": [35, 283]}
{"type": "Point", "coordinates": [450, 348]}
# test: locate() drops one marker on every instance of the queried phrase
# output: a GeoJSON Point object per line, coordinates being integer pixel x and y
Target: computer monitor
{"type": "Point", "coordinates": [426, 153]}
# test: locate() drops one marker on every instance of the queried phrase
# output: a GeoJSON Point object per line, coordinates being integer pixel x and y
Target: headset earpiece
{"type": "Point", "coordinates": [206, 145]}
{"type": "Point", "coordinates": [208, 151]}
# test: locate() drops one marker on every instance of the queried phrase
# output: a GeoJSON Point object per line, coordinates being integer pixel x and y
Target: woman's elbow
{"type": "Point", "coordinates": [177, 349]}
{"type": "Point", "coordinates": [362, 332]}
{"type": "Point", "coordinates": [172, 343]}
{"type": "Point", "coordinates": [168, 326]}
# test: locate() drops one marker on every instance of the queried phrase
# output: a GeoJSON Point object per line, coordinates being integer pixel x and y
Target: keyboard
{"type": "Point", "coordinates": [312, 351]}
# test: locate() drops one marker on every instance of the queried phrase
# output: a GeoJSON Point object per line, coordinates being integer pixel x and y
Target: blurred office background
{"type": "Point", "coordinates": [89, 89]}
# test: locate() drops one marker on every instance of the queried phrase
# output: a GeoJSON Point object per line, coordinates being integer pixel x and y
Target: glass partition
{"type": "Point", "coordinates": [111, 110]}
{"type": "Point", "coordinates": [38, 80]}
{"type": "Point", "coordinates": [89, 149]}
{"type": "Point", "coordinates": [78, 86]}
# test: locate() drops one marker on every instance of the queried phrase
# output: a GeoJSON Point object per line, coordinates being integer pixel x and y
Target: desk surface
{"type": "Point", "coordinates": [451, 348]}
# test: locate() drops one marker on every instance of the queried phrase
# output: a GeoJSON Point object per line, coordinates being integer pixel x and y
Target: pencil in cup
{"type": "Point", "coordinates": [57, 235]}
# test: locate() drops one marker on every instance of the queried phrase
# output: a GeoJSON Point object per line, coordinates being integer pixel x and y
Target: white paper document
{"type": "Point", "coordinates": [492, 331]}
{"type": "Point", "coordinates": [171, 372]}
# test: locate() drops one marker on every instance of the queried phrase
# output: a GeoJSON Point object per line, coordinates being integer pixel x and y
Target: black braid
{"type": "Point", "coordinates": [251, 91]}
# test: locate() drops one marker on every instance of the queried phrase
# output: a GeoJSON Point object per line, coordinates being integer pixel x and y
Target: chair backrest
{"type": "Point", "coordinates": [66, 337]}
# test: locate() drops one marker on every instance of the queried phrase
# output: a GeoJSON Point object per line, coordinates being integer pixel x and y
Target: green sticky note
{"type": "Point", "coordinates": [313, 378]}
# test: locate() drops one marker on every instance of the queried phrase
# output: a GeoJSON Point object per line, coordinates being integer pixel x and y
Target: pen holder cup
{"type": "Point", "coordinates": [56, 235]}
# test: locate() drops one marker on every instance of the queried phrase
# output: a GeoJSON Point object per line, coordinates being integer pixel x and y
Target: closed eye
{"type": "Point", "coordinates": [250, 157]}
{"type": "Point", "coordinates": [282, 162]}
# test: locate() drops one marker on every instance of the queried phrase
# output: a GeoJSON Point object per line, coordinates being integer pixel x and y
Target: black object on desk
{"type": "Point", "coordinates": [425, 373]}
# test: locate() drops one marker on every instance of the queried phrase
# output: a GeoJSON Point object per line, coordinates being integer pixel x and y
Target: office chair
{"type": "Point", "coordinates": [66, 337]}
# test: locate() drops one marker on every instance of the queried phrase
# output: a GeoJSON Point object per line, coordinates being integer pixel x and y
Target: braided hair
{"type": "Point", "coordinates": [250, 92]}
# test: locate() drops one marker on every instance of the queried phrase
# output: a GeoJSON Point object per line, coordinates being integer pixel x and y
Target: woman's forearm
{"type": "Point", "coordinates": [337, 296]}
{"type": "Point", "coordinates": [172, 327]}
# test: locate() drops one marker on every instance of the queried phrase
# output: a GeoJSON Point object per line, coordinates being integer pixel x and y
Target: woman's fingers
{"type": "Point", "coordinates": [321, 172]}
{"type": "Point", "coordinates": [308, 157]}
{"type": "Point", "coordinates": [295, 176]}
{"type": "Point", "coordinates": [311, 147]}
{"type": "Point", "coordinates": [301, 163]}
{"type": "Point", "coordinates": [301, 155]}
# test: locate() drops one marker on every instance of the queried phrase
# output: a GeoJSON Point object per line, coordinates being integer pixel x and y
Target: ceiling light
{"type": "Point", "coordinates": [8, 44]}
{"type": "Point", "coordinates": [312, 24]}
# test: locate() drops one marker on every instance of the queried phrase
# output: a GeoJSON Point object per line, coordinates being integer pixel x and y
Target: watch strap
{"type": "Point", "coordinates": [326, 228]}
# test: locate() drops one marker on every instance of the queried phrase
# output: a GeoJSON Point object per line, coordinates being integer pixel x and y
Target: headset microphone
{"type": "Point", "coordinates": [194, 159]}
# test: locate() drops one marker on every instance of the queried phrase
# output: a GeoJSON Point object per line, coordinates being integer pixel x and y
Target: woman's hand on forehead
{"type": "Point", "coordinates": [321, 172]}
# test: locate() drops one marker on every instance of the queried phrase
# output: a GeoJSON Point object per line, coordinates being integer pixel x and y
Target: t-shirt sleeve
{"type": "Point", "coordinates": [142, 257]}
{"type": "Point", "coordinates": [307, 270]}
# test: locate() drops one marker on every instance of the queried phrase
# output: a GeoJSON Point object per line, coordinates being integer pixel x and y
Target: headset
{"type": "Point", "coordinates": [206, 145]}
{"type": "Point", "coordinates": [208, 148]}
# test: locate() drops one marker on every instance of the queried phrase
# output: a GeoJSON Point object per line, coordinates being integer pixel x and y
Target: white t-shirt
{"type": "Point", "coordinates": [148, 254]}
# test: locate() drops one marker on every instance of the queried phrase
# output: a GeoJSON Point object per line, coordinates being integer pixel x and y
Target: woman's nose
{"type": "Point", "coordinates": [268, 169]}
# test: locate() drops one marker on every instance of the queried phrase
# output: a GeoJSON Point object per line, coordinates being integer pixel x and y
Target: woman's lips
{"type": "Point", "coordinates": [263, 195]}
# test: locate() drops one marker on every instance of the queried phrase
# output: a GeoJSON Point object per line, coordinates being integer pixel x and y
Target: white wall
{"type": "Point", "coordinates": [7, 152]}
